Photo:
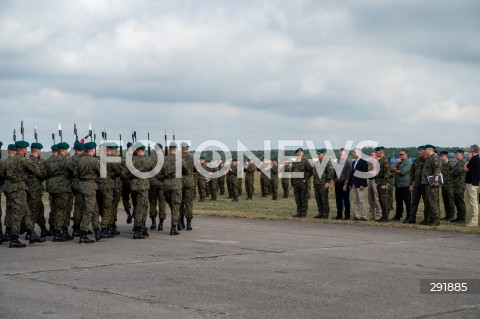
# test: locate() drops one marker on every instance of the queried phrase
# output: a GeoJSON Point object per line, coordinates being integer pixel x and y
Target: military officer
{"type": "Point", "coordinates": [431, 190]}
{"type": "Point", "coordinates": [232, 179]}
{"type": "Point", "coordinates": [321, 184]}
{"type": "Point", "coordinates": [12, 151]}
{"type": "Point", "coordinates": [383, 182]}
{"type": "Point", "coordinates": [447, 187]}
{"type": "Point", "coordinates": [249, 170]}
{"type": "Point", "coordinates": [458, 184]}
{"type": "Point", "coordinates": [299, 184]}
{"type": "Point", "coordinates": [186, 207]}
{"type": "Point", "coordinates": [416, 184]}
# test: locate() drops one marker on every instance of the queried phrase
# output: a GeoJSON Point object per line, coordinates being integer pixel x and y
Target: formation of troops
{"type": "Point", "coordinates": [81, 199]}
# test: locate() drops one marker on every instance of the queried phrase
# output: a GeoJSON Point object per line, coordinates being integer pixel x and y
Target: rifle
{"type": "Point", "coordinates": [149, 150]}
{"type": "Point", "coordinates": [14, 135]}
{"type": "Point", "coordinates": [53, 138]}
{"type": "Point", "coordinates": [95, 140]}
{"type": "Point", "coordinates": [166, 146]}
{"type": "Point", "coordinates": [60, 132]}
{"type": "Point", "coordinates": [121, 147]}
{"type": "Point", "coordinates": [75, 132]}
{"type": "Point", "coordinates": [22, 131]}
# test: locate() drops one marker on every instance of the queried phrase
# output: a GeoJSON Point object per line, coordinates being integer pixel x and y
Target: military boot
{"type": "Point", "coordinates": [113, 230]}
{"type": "Point", "coordinates": [106, 233]}
{"type": "Point", "coordinates": [297, 215]}
{"type": "Point", "coordinates": [33, 238]}
{"type": "Point", "coordinates": [58, 236]}
{"type": "Point", "coordinates": [154, 223]}
{"type": "Point", "coordinates": [84, 238]}
{"type": "Point", "coordinates": [45, 232]}
{"type": "Point", "coordinates": [15, 243]}
{"type": "Point", "coordinates": [189, 223]}
{"type": "Point", "coordinates": [129, 216]}
{"type": "Point", "coordinates": [325, 216]}
{"type": "Point", "coordinates": [76, 231]}
{"type": "Point", "coordinates": [160, 224]}
{"type": "Point", "coordinates": [66, 234]}
{"type": "Point", "coordinates": [98, 235]}
{"type": "Point", "coordinates": [174, 231]}
{"type": "Point", "coordinates": [2, 238]}
{"type": "Point", "coordinates": [319, 215]}
{"type": "Point", "coordinates": [145, 232]}
{"type": "Point", "coordinates": [138, 234]}
{"type": "Point", "coordinates": [8, 234]}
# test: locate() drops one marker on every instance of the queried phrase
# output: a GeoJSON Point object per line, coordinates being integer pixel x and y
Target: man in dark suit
{"type": "Point", "coordinates": [359, 185]}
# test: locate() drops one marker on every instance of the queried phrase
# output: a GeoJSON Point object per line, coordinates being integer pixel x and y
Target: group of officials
{"type": "Point", "coordinates": [73, 183]}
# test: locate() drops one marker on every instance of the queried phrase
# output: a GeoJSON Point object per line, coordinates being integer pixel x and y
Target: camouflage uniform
{"type": "Point", "coordinates": [432, 201]}
{"type": "Point", "coordinates": [458, 183]}
{"type": "Point", "coordinates": [249, 180]}
{"type": "Point", "coordinates": [78, 197]}
{"type": "Point", "coordinates": [392, 186]}
{"type": "Point", "coordinates": [274, 182]}
{"type": "Point", "coordinates": [52, 213]}
{"type": "Point", "coordinates": [321, 193]}
{"type": "Point", "coordinates": [286, 181]}
{"type": "Point", "coordinates": [35, 192]}
{"type": "Point", "coordinates": [186, 207]}
{"type": "Point", "coordinates": [232, 179]}
{"type": "Point", "coordinates": [173, 186]}
{"type": "Point", "coordinates": [202, 185]}
{"type": "Point", "coordinates": [117, 195]}
{"type": "Point", "coordinates": [213, 183]}
{"type": "Point", "coordinates": [300, 186]}
{"type": "Point", "coordinates": [263, 180]}
{"type": "Point", "coordinates": [60, 169]}
{"type": "Point", "coordinates": [88, 171]}
{"type": "Point", "coordinates": [383, 185]}
{"type": "Point", "coordinates": [156, 197]}
{"type": "Point", "coordinates": [240, 186]}
{"type": "Point", "coordinates": [105, 194]}
{"type": "Point", "coordinates": [16, 170]}
{"type": "Point", "coordinates": [418, 191]}
{"type": "Point", "coordinates": [140, 187]}
{"type": "Point", "coordinates": [221, 182]}
{"type": "Point", "coordinates": [447, 190]}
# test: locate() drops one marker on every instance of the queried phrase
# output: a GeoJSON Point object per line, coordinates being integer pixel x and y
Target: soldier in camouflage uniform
{"type": "Point", "coordinates": [140, 187]}
{"type": "Point", "coordinates": [383, 182]}
{"type": "Point", "coordinates": [156, 194]}
{"type": "Point", "coordinates": [12, 151]}
{"type": "Point", "coordinates": [249, 178]}
{"type": "Point", "coordinates": [432, 201]}
{"type": "Point", "coordinates": [172, 183]}
{"type": "Point", "coordinates": [240, 179]}
{"type": "Point", "coordinates": [391, 189]}
{"type": "Point", "coordinates": [2, 238]}
{"type": "Point", "coordinates": [117, 195]}
{"type": "Point", "coordinates": [51, 214]}
{"type": "Point", "coordinates": [78, 197]}
{"type": "Point", "coordinates": [221, 180]}
{"type": "Point", "coordinates": [232, 179]}
{"type": "Point", "coordinates": [321, 184]}
{"type": "Point", "coordinates": [60, 169]}
{"type": "Point", "coordinates": [201, 182]}
{"type": "Point", "coordinates": [16, 171]}
{"type": "Point", "coordinates": [88, 172]}
{"type": "Point", "coordinates": [213, 183]}
{"type": "Point", "coordinates": [186, 207]}
{"type": "Point", "coordinates": [35, 189]}
{"type": "Point", "coordinates": [274, 179]}
{"type": "Point", "coordinates": [416, 184]}
{"type": "Point", "coordinates": [299, 184]}
{"type": "Point", "coordinates": [286, 180]}
{"type": "Point", "coordinates": [263, 178]}
{"type": "Point", "coordinates": [458, 184]}
{"type": "Point", "coordinates": [447, 189]}
{"type": "Point", "coordinates": [127, 189]}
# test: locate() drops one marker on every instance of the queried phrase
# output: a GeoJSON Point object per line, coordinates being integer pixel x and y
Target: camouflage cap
{"type": "Point", "coordinates": [12, 147]}
{"type": "Point", "coordinates": [22, 144]}
{"type": "Point", "coordinates": [36, 145]}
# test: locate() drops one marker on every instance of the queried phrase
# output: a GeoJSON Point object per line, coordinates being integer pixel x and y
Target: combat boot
{"type": "Point", "coordinates": [154, 223]}
{"type": "Point", "coordinates": [84, 238]}
{"type": "Point", "coordinates": [138, 234]}
{"type": "Point", "coordinates": [113, 230]}
{"type": "Point", "coordinates": [410, 220]}
{"type": "Point", "coordinates": [76, 231]}
{"type": "Point", "coordinates": [33, 238]}
{"type": "Point", "coordinates": [145, 232]}
{"type": "Point", "coordinates": [325, 216]}
{"type": "Point", "coordinates": [319, 215]}
{"type": "Point", "coordinates": [160, 224]}
{"type": "Point", "coordinates": [2, 238]}
{"type": "Point", "coordinates": [66, 234]}
{"type": "Point", "coordinates": [58, 236]}
{"type": "Point", "coordinates": [15, 243]}
{"type": "Point", "coordinates": [189, 223]}
{"type": "Point", "coordinates": [424, 222]}
{"type": "Point", "coordinates": [174, 231]}
{"type": "Point", "coordinates": [297, 215]}
{"type": "Point", "coordinates": [8, 234]}
{"type": "Point", "coordinates": [106, 233]}
{"type": "Point", "coordinates": [129, 216]}
{"type": "Point", "coordinates": [45, 232]}
{"type": "Point", "coordinates": [182, 221]}
{"type": "Point", "coordinates": [98, 235]}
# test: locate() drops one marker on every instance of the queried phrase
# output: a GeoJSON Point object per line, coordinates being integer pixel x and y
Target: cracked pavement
{"type": "Point", "coordinates": [240, 268]}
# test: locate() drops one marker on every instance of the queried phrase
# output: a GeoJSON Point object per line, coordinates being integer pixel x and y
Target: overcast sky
{"type": "Point", "coordinates": [403, 73]}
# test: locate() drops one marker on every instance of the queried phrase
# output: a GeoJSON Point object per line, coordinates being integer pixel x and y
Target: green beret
{"type": "Point", "coordinates": [90, 145]}
{"type": "Point", "coordinates": [158, 146]}
{"type": "Point", "coordinates": [1, 144]}
{"type": "Point", "coordinates": [172, 145]}
{"type": "Point", "coordinates": [63, 145]}
{"type": "Point", "coordinates": [129, 144]}
{"type": "Point", "coordinates": [421, 147]}
{"type": "Point", "coordinates": [299, 150]}
{"type": "Point", "coordinates": [139, 146]}
{"type": "Point", "coordinates": [274, 160]}
{"type": "Point", "coordinates": [184, 144]}
{"type": "Point", "coordinates": [379, 148]}
{"type": "Point", "coordinates": [429, 146]}
{"type": "Point", "coordinates": [111, 146]}
{"type": "Point", "coordinates": [234, 159]}
{"type": "Point", "coordinates": [202, 158]}
{"type": "Point", "coordinates": [22, 144]}
{"type": "Point", "coordinates": [79, 146]}
{"type": "Point", "coordinates": [54, 147]}
{"type": "Point", "coordinates": [443, 153]}
{"type": "Point", "coordinates": [12, 147]}
{"type": "Point", "coordinates": [321, 151]}
{"type": "Point", "coordinates": [460, 151]}
{"type": "Point", "coordinates": [36, 145]}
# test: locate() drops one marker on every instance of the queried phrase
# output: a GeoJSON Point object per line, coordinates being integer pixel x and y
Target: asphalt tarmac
{"type": "Point", "coordinates": [240, 268]}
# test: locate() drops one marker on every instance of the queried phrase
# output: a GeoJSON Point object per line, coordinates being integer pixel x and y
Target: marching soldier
{"type": "Point", "coordinates": [172, 183]}
{"type": "Point", "coordinates": [12, 151]}
{"type": "Point", "coordinates": [60, 169]}
{"type": "Point", "coordinates": [186, 208]}
{"type": "Point", "coordinates": [156, 194]}
{"type": "Point", "coordinates": [78, 197]}
{"type": "Point", "coordinates": [249, 170]}
{"type": "Point", "coordinates": [447, 189]}
{"type": "Point", "coordinates": [299, 184]}
{"type": "Point", "coordinates": [117, 195]}
{"type": "Point", "coordinates": [321, 184]}
{"type": "Point", "coordinates": [16, 171]}
{"type": "Point", "coordinates": [383, 182]}
{"type": "Point", "coordinates": [431, 190]}
{"type": "Point", "coordinates": [458, 183]}
{"type": "Point", "coordinates": [232, 179]}
{"type": "Point", "coordinates": [127, 190]}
